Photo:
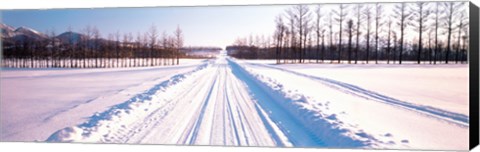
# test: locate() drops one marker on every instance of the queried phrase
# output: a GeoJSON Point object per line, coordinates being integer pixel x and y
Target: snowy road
{"type": "Point", "coordinates": [212, 107]}
{"type": "Point", "coordinates": [216, 109]}
{"type": "Point", "coordinates": [226, 101]}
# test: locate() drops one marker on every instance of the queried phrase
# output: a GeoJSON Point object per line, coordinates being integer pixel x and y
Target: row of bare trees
{"type": "Point", "coordinates": [352, 33]}
{"type": "Point", "coordinates": [88, 49]}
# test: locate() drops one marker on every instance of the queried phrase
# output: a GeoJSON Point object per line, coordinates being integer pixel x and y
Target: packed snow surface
{"type": "Point", "coordinates": [225, 101]}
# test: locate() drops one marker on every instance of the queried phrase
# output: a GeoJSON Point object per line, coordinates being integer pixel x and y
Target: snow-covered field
{"type": "Point", "coordinates": [442, 86]}
{"type": "Point", "coordinates": [395, 106]}
{"type": "Point", "coordinates": [225, 101]}
{"type": "Point", "coordinates": [36, 102]}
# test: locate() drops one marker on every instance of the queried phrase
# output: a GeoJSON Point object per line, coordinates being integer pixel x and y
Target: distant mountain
{"type": "Point", "coordinates": [23, 32]}
{"type": "Point", "coordinates": [71, 37]}
{"type": "Point", "coordinates": [7, 31]}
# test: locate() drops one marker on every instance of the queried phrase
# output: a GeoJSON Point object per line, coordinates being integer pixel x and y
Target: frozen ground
{"type": "Point", "coordinates": [225, 101]}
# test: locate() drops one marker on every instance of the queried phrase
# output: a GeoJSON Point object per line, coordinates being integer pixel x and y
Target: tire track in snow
{"type": "Point", "coordinates": [187, 111]}
{"type": "Point", "coordinates": [194, 132]}
{"type": "Point", "coordinates": [157, 115]}
{"type": "Point", "coordinates": [451, 117]}
{"type": "Point", "coordinates": [220, 126]}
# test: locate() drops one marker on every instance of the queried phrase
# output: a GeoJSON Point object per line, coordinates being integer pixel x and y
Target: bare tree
{"type": "Point", "coordinates": [378, 24]}
{"type": "Point", "coordinates": [127, 49]}
{"type": "Point", "coordinates": [450, 11]}
{"type": "Point", "coordinates": [395, 42]}
{"type": "Point", "coordinates": [292, 33]}
{"type": "Point", "coordinates": [117, 48]}
{"type": "Point", "coordinates": [323, 45]}
{"type": "Point", "coordinates": [286, 43]}
{"type": "Point", "coordinates": [111, 46]}
{"type": "Point", "coordinates": [341, 13]}
{"type": "Point", "coordinates": [302, 17]}
{"type": "Point", "coordinates": [306, 35]}
{"type": "Point", "coordinates": [330, 26]}
{"type": "Point", "coordinates": [420, 14]}
{"type": "Point", "coordinates": [318, 29]}
{"type": "Point", "coordinates": [171, 45]}
{"type": "Point", "coordinates": [465, 38]}
{"type": "Point", "coordinates": [310, 44]}
{"type": "Point", "coordinates": [389, 24]}
{"type": "Point", "coordinates": [165, 43]}
{"type": "Point", "coordinates": [50, 48]}
{"type": "Point", "coordinates": [179, 42]}
{"type": "Point", "coordinates": [71, 44]}
{"type": "Point", "coordinates": [88, 36]}
{"type": "Point", "coordinates": [96, 45]}
{"type": "Point", "coordinates": [463, 23]}
{"type": "Point", "coordinates": [358, 9]}
{"type": "Point", "coordinates": [368, 14]}
{"type": "Point", "coordinates": [152, 35]}
{"type": "Point", "coordinates": [146, 52]}
{"type": "Point", "coordinates": [279, 34]}
{"type": "Point", "coordinates": [138, 41]}
{"type": "Point", "coordinates": [54, 53]}
{"type": "Point", "coordinates": [429, 54]}
{"type": "Point", "coordinates": [403, 15]}
{"type": "Point", "coordinates": [349, 27]}
{"type": "Point", "coordinates": [437, 16]}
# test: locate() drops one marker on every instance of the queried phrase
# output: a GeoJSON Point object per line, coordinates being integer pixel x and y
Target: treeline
{"type": "Point", "coordinates": [89, 50]}
{"type": "Point", "coordinates": [423, 32]}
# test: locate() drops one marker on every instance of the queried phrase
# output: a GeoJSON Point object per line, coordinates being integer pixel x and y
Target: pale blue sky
{"type": "Point", "coordinates": [202, 25]}
{"type": "Point", "coordinates": [205, 26]}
